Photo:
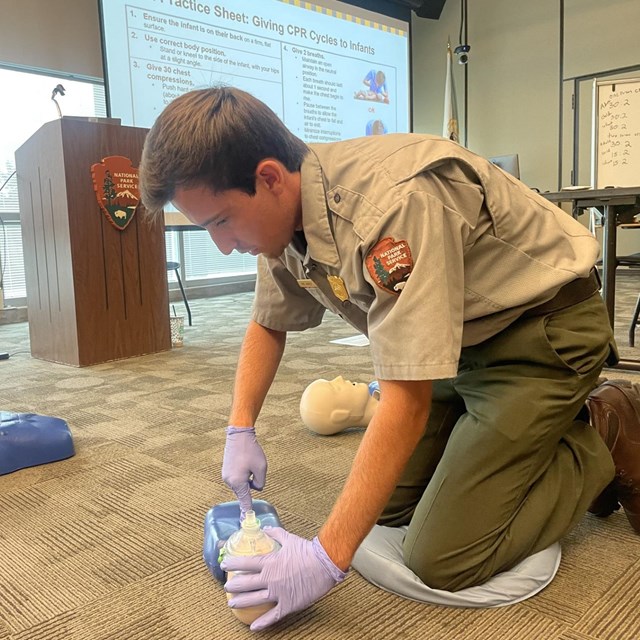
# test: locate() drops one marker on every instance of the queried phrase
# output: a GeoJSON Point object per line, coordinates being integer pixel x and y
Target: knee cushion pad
{"type": "Point", "coordinates": [379, 560]}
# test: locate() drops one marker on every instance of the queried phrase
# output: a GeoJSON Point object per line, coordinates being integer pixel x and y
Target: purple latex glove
{"type": "Point", "coordinates": [293, 577]}
{"type": "Point", "coordinates": [244, 465]}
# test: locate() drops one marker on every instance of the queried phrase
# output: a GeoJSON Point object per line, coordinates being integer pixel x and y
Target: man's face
{"type": "Point", "coordinates": [261, 223]}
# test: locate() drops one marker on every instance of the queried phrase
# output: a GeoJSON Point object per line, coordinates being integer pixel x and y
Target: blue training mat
{"type": "Point", "coordinates": [28, 439]}
{"type": "Point", "coordinates": [222, 521]}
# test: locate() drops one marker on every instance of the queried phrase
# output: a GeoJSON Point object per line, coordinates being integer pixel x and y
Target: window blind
{"type": "Point", "coordinates": [200, 258]}
{"type": "Point", "coordinates": [11, 261]}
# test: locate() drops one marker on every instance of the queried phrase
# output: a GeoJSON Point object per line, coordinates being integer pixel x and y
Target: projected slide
{"type": "Point", "coordinates": [329, 71]}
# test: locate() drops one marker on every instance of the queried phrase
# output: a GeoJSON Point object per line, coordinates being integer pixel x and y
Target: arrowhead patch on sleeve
{"type": "Point", "coordinates": [390, 263]}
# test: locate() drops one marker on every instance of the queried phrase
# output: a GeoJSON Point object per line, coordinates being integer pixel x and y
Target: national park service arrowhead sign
{"type": "Point", "coordinates": [115, 182]}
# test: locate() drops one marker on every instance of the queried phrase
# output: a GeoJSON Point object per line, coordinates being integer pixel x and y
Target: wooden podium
{"type": "Point", "coordinates": [94, 292]}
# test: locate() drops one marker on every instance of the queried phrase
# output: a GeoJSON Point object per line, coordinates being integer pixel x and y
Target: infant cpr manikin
{"type": "Point", "coordinates": [330, 406]}
{"type": "Point", "coordinates": [249, 540]}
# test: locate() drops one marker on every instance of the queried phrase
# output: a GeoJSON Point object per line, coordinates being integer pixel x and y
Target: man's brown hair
{"type": "Point", "coordinates": [212, 137]}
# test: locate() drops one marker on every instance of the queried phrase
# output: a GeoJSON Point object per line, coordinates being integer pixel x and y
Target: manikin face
{"type": "Point", "coordinates": [260, 223]}
{"type": "Point", "coordinates": [330, 406]}
{"type": "Point", "coordinates": [347, 395]}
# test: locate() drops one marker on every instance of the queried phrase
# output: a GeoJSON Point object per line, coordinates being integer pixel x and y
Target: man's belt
{"type": "Point", "coordinates": [569, 294]}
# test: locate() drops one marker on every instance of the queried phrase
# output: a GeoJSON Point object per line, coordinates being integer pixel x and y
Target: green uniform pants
{"type": "Point", "coordinates": [508, 463]}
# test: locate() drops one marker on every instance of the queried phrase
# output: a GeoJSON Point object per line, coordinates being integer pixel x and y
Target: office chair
{"type": "Point", "coordinates": [632, 260]}
{"type": "Point", "coordinates": [175, 267]}
{"type": "Point", "coordinates": [628, 222]}
{"type": "Point", "coordinates": [634, 322]}
{"type": "Point", "coordinates": [629, 260]}
{"type": "Point", "coordinates": [509, 163]}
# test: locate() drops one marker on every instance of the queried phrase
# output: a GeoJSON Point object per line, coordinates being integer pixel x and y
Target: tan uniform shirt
{"type": "Point", "coordinates": [428, 247]}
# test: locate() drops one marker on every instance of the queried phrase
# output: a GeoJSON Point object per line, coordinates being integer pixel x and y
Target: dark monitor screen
{"type": "Point", "coordinates": [508, 163]}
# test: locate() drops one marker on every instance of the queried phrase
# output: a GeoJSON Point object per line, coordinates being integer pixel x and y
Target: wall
{"type": "Point", "coordinates": [55, 35]}
{"type": "Point", "coordinates": [513, 73]}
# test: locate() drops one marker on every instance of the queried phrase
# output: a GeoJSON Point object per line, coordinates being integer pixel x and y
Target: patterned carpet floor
{"type": "Point", "coordinates": [107, 545]}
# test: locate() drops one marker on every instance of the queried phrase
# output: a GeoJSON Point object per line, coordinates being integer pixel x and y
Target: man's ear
{"type": "Point", "coordinates": [271, 173]}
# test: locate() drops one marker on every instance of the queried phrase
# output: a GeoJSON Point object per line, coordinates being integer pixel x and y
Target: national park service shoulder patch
{"type": "Point", "coordinates": [390, 263]}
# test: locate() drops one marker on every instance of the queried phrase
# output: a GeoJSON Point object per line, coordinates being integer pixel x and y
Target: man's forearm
{"type": "Point", "coordinates": [260, 356]}
{"type": "Point", "coordinates": [388, 442]}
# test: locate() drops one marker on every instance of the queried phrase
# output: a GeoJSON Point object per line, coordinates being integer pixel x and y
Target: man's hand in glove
{"type": "Point", "coordinates": [293, 577]}
{"type": "Point", "coordinates": [244, 465]}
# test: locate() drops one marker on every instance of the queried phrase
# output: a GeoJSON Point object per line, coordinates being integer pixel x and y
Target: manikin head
{"type": "Point", "coordinates": [330, 406]}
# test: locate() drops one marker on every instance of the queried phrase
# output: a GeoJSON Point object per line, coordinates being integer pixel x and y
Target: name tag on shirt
{"type": "Point", "coordinates": [306, 283]}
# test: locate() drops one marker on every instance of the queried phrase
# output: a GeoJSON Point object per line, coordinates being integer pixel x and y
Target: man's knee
{"type": "Point", "coordinates": [448, 571]}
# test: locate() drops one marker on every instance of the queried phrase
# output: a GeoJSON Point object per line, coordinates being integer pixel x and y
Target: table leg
{"type": "Point", "coordinates": [609, 261]}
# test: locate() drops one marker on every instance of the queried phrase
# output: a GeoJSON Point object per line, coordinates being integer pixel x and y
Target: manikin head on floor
{"type": "Point", "coordinates": [330, 406]}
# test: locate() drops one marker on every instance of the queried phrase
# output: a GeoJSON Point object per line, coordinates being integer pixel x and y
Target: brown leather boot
{"type": "Point", "coordinates": [614, 408]}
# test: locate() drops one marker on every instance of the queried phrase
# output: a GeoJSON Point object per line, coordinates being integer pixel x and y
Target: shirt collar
{"type": "Point", "coordinates": [316, 214]}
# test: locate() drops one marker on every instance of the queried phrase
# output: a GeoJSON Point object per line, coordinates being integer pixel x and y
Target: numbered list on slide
{"type": "Point", "coordinates": [315, 89]}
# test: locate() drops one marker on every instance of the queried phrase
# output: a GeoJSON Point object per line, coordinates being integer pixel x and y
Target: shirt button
{"type": "Point", "coordinates": [337, 198]}
{"type": "Point", "coordinates": [346, 304]}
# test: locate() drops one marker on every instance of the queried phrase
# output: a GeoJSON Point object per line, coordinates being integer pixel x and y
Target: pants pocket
{"type": "Point", "coordinates": [580, 336]}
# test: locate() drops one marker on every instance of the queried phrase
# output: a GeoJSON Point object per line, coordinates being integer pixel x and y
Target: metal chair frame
{"type": "Point", "coordinates": [175, 267]}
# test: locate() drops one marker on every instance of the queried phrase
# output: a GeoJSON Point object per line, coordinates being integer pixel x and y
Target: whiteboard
{"type": "Point", "coordinates": [616, 133]}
